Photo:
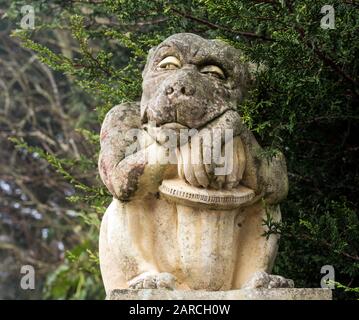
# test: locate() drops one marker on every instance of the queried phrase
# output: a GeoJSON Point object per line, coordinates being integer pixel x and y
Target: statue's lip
{"type": "Point", "coordinates": [174, 126]}
{"type": "Point", "coordinates": [168, 125]}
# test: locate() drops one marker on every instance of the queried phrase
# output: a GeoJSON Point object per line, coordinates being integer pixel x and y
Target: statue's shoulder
{"type": "Point", "coordinates": [126, 114]}
{"type": "Point", "coordinates": [124, 109]}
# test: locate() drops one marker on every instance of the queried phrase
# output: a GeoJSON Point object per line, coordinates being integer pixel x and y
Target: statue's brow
{"type": "Point", "coordinates": [210, 59]}
{"type": "Point", "coordinates": [201, 57]}
{"type": "Point", "coordinates": [196, 52]}
{"type": "Point", "coordinates": [163, 46]}
{"type": "Point", "coordinates": [169, 45]}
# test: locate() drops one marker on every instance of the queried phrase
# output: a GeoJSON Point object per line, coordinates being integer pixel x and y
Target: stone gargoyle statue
{"type": "Point", "coordinates": [182, 224]}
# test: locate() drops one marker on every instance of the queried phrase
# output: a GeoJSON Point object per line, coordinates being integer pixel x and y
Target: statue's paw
{"type": "Point", "coordinates": [268, 281]}
{"type": "Point", "coordinates": [153, 280]}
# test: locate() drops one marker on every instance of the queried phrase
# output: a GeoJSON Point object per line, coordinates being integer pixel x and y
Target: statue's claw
{"type": "Point", "coordinates": [153, 280]}
{"type": "Point", "coordinates": [268, 281]}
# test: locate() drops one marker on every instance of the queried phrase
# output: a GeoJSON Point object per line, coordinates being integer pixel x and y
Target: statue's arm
{"type": "Point", "coordinates": [266, 175]}
{"type": "Point", "coordinates": [124, 173]}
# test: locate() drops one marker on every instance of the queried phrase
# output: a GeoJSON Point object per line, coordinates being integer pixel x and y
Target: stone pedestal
{"type": "Point", "coordinates": [242, 294]}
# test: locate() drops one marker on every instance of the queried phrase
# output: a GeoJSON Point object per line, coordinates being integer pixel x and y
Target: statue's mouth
{"type": "Point", "coordinates": [174, 126]}
{"type": "Point", "coordinates": [167, 131]}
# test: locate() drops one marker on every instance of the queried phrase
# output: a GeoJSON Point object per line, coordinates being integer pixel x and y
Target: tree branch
{"type": "Point", "coordinates": [216, 26]}
{"type": "Point", "coordinates": [327, 60]}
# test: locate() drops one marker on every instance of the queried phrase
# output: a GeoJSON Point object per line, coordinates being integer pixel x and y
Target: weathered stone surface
{"type": "Point", "coordinates": [206, 231]}
{"type": "Point", "coordinates": [264, 280]}
{"type": "Point", "coordinates": [242, 294]}
{"type": "Point", "coordinates": [179, 191]}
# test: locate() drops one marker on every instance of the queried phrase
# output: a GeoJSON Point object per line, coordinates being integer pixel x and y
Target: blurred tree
{"type": "Point", "coordinates": [304, 102]}
{"type": "Point", "coordinates": [42, 110]}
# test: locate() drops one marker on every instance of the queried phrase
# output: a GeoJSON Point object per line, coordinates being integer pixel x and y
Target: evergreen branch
{"type": "Point", "coordinates": [352, 3]}
{"type": "Point", "coordinates": [327, 60]}
{"type": "Point", "coordinates": [216, 26]}
{"type": "Point", "coordinates": [323, 242]}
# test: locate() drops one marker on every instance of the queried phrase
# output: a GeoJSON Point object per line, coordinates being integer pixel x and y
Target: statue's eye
{"type": "Point", "coordinates": [170, 63]}
{"type": "Point", "coordinates": [213, 70]}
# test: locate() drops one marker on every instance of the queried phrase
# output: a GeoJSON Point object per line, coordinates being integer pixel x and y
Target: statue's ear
{"type": "Point", "coordinates": [245, 71]}
{"type": "Point", "coordinates": [150, 55]}
{"type": "Point", "coordinates": [249, 72]}
{"type": "Point", "coordinates": [253, 70]}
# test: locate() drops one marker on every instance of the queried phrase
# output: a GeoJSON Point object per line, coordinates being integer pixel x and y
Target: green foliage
{"type": "Point", "coordinates": [355, 291]}
{"type": "Point", "coordinates": [304, 102]}
{"type": "Point", "coordinates": [77, 278]}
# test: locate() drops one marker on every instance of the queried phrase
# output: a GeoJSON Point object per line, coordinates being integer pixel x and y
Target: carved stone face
{"type": "Point", "coordinates": [190, 81]}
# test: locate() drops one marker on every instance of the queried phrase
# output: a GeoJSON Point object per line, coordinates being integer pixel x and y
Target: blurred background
{"type": "Point", "coordinates": [60, 76]}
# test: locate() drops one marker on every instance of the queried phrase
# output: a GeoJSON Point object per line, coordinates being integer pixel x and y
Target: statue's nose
{"type": "Point", "coordinates": [179, 89]}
